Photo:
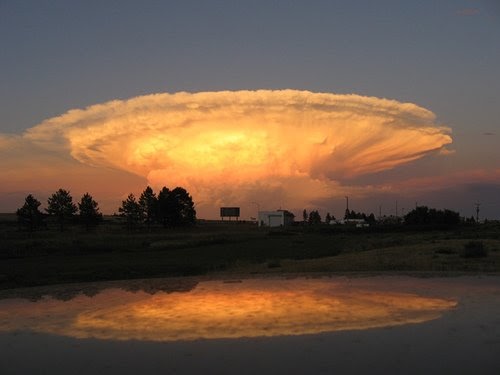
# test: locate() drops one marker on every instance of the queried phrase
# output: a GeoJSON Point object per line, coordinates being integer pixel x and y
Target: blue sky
{"type": "Point", "coordinates": [441, 55]}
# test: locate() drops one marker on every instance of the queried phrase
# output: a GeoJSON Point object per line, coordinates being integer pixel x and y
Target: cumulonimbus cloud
{"type": "Point", "coordinates": [231, 146]}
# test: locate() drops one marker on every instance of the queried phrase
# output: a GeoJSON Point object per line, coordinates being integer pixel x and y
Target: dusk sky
{"type": "Point", "coordinates": [275, 104]}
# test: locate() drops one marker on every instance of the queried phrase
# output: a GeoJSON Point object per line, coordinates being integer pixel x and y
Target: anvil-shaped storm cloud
{"type": "Point", "coordinates": [229, 147]}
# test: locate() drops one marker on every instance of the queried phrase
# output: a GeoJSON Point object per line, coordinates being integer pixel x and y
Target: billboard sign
{"type": "Point", "coordinates": [229, 212]}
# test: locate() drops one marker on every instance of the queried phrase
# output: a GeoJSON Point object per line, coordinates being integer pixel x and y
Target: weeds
{"type": "Point", "coordinates": [474, 249]}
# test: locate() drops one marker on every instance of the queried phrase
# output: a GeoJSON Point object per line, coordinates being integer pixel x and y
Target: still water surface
{"type": "Point", "coordinates": [166, 311]}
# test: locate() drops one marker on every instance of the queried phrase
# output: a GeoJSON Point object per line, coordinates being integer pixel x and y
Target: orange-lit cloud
{"type": "Point", "coordinates": [214, 310]}
{"type": "Point", "coordinates": [234, 147]}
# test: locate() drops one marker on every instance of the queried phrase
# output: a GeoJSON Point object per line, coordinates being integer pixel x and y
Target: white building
{"type": "Point", "coordinates": [359, 223]}
{"type": "Point", "coordinates": [277, 218]}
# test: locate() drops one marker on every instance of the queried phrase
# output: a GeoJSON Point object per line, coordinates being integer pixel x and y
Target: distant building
{"type": "Point", "coordinates": [359, 223]}
{"type": "Point", "coordinates": [279, 218]}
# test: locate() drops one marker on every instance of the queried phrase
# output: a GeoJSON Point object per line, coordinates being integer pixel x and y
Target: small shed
{"type": "Point", "coordinates": [278, 218]}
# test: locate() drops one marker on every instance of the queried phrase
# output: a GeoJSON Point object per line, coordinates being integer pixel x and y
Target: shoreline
{"type": "Point", "coordinates": [181, 283]}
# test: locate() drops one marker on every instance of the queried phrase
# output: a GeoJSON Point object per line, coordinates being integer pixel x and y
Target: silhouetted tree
{"type": "Point", "coordinates": [149, 206]}
{"type": "Point", "coordinates": [131, 210]}
{"type": "Point", "coordinates": [175, 207]}
{"type": "Point", "coordinates": [304, 216]}
{"type": "Point", "coordinates": [61, 206]}
{"type": "Point", "coordinates": [448, 217]}
{"type": "Point", "coordinates": [328, 218]}
{"type": "Point", "coordinates": [165, 207]}
{"type": "Point", "coordinates": [418, 216]}
{"type": "Point", "coordinates": [470, 220]}
{"type": "Point", "coordinates": [184, 212]}
{"type": "Point", "coordinates": [357, 215]}
{"type": "Point", "coordinates": [425, 216]}
{"type": "Point", "coordinates": [89, 211]}
{"type": "Point", "coordinates": [314, 217]}
{"type": "Point", "coordinates": [353, 215]}
{"type": "Point", "coordinates": [371, 219]}
{"type": "Point", "coordinates": [28, 215]}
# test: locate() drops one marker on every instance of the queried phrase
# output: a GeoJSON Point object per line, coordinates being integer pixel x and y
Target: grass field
{"type": "Point", "coordinates": [109, 252]}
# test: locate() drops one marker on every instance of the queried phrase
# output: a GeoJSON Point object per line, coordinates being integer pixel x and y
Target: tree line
{"type": "Point", "coordinates": [170, 208]}
{"type": "Point", "coordinates": [425, 216]}
{"type": "Point", "coordinates": [314, 217]}
{"type": "Point", "coordinates": [60, 206]}
{"type": "Point", "coordinates": [420, 216]}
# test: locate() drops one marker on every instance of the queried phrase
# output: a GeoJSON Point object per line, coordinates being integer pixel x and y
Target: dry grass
{"type": "Point", "coordinates": [111, 253]}
{"type": "Point", "coordinates": [436, 256]}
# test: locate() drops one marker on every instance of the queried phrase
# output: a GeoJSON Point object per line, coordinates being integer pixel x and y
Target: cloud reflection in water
{"type": "Point", "coordinates": [214, 309]}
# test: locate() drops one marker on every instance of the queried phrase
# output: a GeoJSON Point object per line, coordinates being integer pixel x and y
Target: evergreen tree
{"type": "Point", "coordinates": [314, 217]}
{"type": "Point", "coordinates": [61, 206]}
{"type": "Point", "coordinates": [328, 218]}
{"type": "Point", "coordinates": [89, 211]}
{"type": "Point", "coordinates": [165, 207]}
{"type": "Point", "coordinates": [148, 204]}
{"type": "Point", "coordinates": [131, 210]}
{"type": "Point", "coordinates": [28, 215]}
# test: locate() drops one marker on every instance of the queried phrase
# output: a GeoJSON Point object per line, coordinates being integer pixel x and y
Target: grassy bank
{"type": "Point", "coordinates": [109, 252]}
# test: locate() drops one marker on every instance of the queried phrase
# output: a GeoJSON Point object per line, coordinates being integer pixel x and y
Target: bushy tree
{"type": "Point", "coordinates": [419, 216]}
{"type": "Point", "coordinates": [449, 217]}
{"type": "Point", "coordinates": [89, 211]}
{"type": "Point", "coordinates": [425, 216]}
{"type": "Point", "coordinates": [61, 206]}
{"type": "Point", "coordinates": [131, 210]}
{"type": "Point", "coordinates": [184, 212]}
{"type": "Point", "coordinates": [175, 207]}
{"type": "Point", "coordinates": [149, 206]}
{"type": "Point", "coordinates": [29, 216]}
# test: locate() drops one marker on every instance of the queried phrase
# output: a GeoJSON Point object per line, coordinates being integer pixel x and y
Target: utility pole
{"type": "Point", "coordinates": [396, 208]}
{"type": "Point", "coordinates": [379, 212]}
{"type": "Point", "coordinates": [347, 203]}
{"type": "Point", "coordinates": [477, 211]}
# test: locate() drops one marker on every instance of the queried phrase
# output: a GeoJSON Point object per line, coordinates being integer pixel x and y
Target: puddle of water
{"type": "Point", "coordinates": [217, 309]}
